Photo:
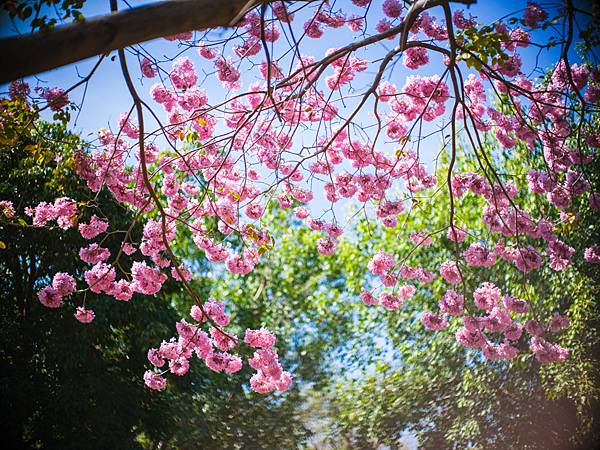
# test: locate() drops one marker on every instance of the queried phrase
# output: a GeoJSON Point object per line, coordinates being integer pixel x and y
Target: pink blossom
{"type": "Point", "coordinates": [456, 234]}
{"type": "Point", "coordinates": [368, 298]}
{"type": "Point", "coordinates": [592, 254]}
{"type": "Point", "coordinates": [478, 255]}
{"type": "Point", "coordinates": [280, 11]}
{"type": "Point", "coordinates": [254, 211]}
{"type": "Point", "coordinates": [261, 384]}
{"type": "Point", "coordinates": [514, 304]}
{"type": "Point", "coordinates": [154, 381]}
{"type": "Point", "coordinates": [434, 321]}
{"type": "Point", "coordinates": [183, 74]}
{"type": "Point", "coordinates": [122, 290]}
{"type": "Point", "coordinates": [222, 340]}
{"type": "Point", "coordinates": [84, 315]}
{"type": "Point", "coordinates": [100, 277]}
{"type": "Point", "coordinates": [406, 291]}
{"type": "Point", "coordinates": [128, 248]}
{"type": "Point", "coordinates": [93, 228]}
{"type": "Point", "coordinates": [534, 14]}
{"type": "Point", "coordinates": [560, 254]}
{"type": "Point", "coordinates": [498, 352]}
{"type": "Point", "coordinates": [513, 332]}
{"type": "Point", "coordinates": [63, 211]}
{"type": "Point", "coordinates": [312, 29]}
{"type": "Point", "coordinates": [155, 357]}
{"type": "Point", "coordinates": [146, 280]}
{"type": "Point", "coordinates": [147, 68]}
{"type": "Point", "coordinates": [185, 273]}
{"type": "Point", "coordinates": [227, 74]}
{"type": "Point", "coordinates": [534, 328]}
{"type": "Point", "coordinates": [179, 366]}
{"type": "Point", "coordinates": [470, 338]}
{"type": "Point", "coordinates": [355, 23]}
{"type": "Point", "coordinates": [93, 253]}
{"type": "Point", "coordinates": [18, 89]}
{"type": "Point", "coordinates": [207, 52]}
{"type": "Point", "coordinates": [388, 279]}
{"type": "Point", "coordinates": [7, 208]}
{"type": "Point", "coordinates": [486, 296]}
{"type": "Point", "coordinates": [497, 320]}
{"type": "Point", "coordinates": [56, 97]}
{"type": "Point", "coordinates": [421, 238]}
{"type": "Point", "coordinates": [63, 283]}
{"type": "Point", "coordinates": [415, 57]}
{"type": "Point", "coordinates": [390, 301]}
{"type": "Point", "coordinates": [238, 264]}
{"type": "Point", "coordinates": [184, 36]}
{"type": "Point", "coordinates": [558, 322]}
{"type": "Point", "coordinates": [261, 338]}
{"type": "Point", "coordinates": [215, 311]}
{"type": "Point", "coordinates": [326, 246]}
{"type": "Point", "coordinates": [547, 352]}
{"type": "Point", "coordinates": [50, 297]}
{"type": "Point", "coordinates": [449, 271]}
{"type": "Point", "coordinates": [461, 22]}
{"type": "Point", "coordinates": [381, 263]}
{"type": "Point", "coordinates": [452, 303]}
{"type": "Point", "coordinates": [392, 8]}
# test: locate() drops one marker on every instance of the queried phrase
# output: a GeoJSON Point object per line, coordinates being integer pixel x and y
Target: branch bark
{"type": "Point", "coordinates": [32, 54]}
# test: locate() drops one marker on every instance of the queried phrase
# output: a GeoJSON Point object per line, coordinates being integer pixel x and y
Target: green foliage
{"type": "Point", "coordinates": [71, 386]}
{"type": "Point", "coordinates": [449, 397]}
{"type": "Point", "coordinates": [43, 15]}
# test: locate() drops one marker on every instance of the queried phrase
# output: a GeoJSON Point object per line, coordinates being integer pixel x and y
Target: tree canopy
{"type": "Point", "coordinates": [326, 224]}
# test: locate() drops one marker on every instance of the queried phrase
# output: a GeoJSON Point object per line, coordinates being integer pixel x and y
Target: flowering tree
{"type": "Point", "coordinates": [411, 378]}
{"type": "Point", "coordinates": [302, 129]}
{"type": "Point", "coordinates": [62, 367]}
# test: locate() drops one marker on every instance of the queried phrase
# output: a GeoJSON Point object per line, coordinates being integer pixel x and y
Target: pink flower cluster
{"type": "Point", "coordinates": [56, 97]}
{"type": "Point", "coordinates": [496, 332]}
{"type": "Point", "coordinates": [415, 57]}
{"type": "Point", "coordinates": [389, 300]}
{"type": "Point", "coordinates": [62, 285]}
{"type": "Point", "coordinates": [63, 211]}
{"type": "Point", "coordinates": [92, 229]}
{"type": "Point", "coordinates": [213, 350]}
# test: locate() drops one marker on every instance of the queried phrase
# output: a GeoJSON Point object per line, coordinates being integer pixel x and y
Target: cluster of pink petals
{"type": "Point", "coordinates": [269, 374]}
{"type": "Point", "coordinates": [84, 315]}
{"type": "Point", "coordinates": [213, 350]}
{"type": "Point", "coordinates": [450, 272]}
{"type": "Point", "coordinates": [415, 57]}
{"type": "Point", "coordinates": [56, 97]}
{"type": "Point", "coordinates": [93, 228]}
{"type": "Point", "coordinates": [63, 211]}
{"type": "Point", "coordinates": [62, 285]}
{"type": "Point", "coordinates": [497, 332]}
{"type": "Point", "coordinates": [147, 68]}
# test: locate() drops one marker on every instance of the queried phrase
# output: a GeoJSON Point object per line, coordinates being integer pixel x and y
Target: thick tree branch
{"type": "Point", "coordinates": [28, 55]}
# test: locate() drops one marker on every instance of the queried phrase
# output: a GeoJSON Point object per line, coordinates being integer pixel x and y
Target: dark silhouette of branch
{"type": "Point", "coordinates": [35, 53]}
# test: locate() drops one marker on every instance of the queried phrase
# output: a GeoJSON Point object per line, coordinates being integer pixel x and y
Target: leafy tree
{"type": "Point", "coordinates": [451, 398]}
{"type": "Point", "coordinates": [68, 385]}
{"type": "Point", "coordinates": [248, 118]}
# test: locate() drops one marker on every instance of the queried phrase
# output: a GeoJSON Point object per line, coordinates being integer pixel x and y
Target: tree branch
{"type": "Point", "coordinates": [35, 53]}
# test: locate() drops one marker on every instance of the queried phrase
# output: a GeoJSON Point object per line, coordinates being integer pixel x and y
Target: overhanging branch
{"type": "Point", "coordinates": [28, 55]}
